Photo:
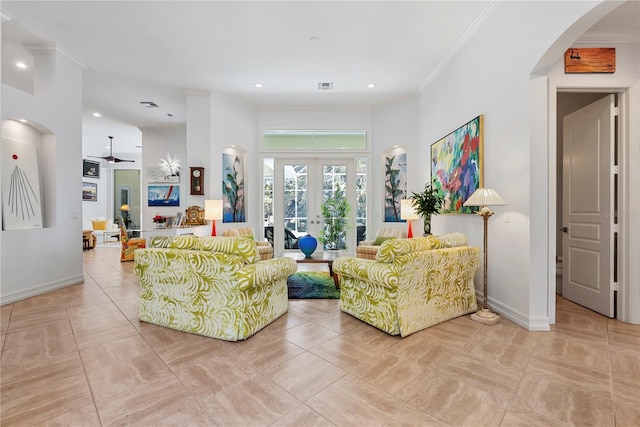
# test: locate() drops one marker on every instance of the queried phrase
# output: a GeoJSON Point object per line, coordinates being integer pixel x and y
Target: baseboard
{"type": "Point", "coordinates": [531, 323]}
{"type": "Point", "coordinates": [42, 289]}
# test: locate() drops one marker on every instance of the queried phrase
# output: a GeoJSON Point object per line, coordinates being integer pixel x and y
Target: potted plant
{"type": "Point", "coordinates": [427, 203]}
{"type": "Point", "coordinates": [334, 213]}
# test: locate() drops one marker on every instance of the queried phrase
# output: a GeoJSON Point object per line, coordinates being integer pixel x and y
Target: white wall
{"type": "Point", "coordinates": [38, 260]}
{"type": "Point", "coordinates": [233, 124]}
{"type": "Point", "coordinates": [158, 143]}
{"type": "Point", "coordinates": [491, 76]}
{"type": "Point", "coordinates": [395, 124]}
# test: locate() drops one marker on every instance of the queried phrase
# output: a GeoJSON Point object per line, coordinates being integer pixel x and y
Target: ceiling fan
{"type": "Point", "coordinates": [110, 158]}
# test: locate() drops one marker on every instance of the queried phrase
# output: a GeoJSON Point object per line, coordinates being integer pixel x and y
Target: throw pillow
{"type": "Point", "coordinates": [381, 239]}
{"type": "Point", "coordinates": [99, 225]}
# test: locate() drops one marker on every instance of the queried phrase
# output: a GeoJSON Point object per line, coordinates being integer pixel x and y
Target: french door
{"type": "Point", "coordinates": [301, 186]}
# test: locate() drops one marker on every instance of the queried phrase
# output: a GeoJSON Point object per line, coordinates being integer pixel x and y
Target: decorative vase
{"type": "Point", "coordinates": [307, 245]}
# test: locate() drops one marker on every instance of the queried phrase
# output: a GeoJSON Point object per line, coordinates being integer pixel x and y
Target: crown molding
{"type": "Point", "coordinates": [53, 48]}
{"type": "Point", "coordinates": [461, 42]}
{"type": "Point", "coordinates": [608, 37]}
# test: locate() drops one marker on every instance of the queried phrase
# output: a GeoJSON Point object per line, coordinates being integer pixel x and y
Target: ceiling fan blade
{"type": "Point", "coordinates": [98, 157]}
{"type": "Point", "coordinates": [115, 159]}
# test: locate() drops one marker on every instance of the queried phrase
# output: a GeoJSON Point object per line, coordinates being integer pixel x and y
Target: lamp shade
{"type": "Point", "coordinates": [485, 197]}
{"type": "Point", "coordinates": [124, 207]}
{"type": "Point", "coordinates": [213, 210]}
{"type": "Point", "coordinates": [407, 211]}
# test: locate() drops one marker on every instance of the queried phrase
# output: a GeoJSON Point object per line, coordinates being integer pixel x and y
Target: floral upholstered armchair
{"type": "Point", "coordinates": [264, 248]}
{"type": "Point", "coordinates": [128, 245]}
{"type": "Point", "coordinates": [211, 286]}
{"type": "Point", "coordinates": [412, 284]}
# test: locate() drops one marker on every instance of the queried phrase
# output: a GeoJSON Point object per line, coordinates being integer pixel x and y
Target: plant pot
{"type": "Point", "coordinates": [427, 225]}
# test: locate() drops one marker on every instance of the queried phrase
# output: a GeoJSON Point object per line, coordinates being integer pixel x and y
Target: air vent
{"type": "Point", "coordinates": [325, 86]}
{"type": "Point", "coordinates": [149, 104]}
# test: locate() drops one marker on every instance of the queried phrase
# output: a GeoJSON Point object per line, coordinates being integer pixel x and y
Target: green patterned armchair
{"type": "Point", "coordinates": [211, 286]}
{"type": "Point", "coordinates": [412, 284]}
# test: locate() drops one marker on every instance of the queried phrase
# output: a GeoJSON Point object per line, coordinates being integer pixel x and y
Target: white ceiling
{"type": "Point", "coordinates": [156, 50]}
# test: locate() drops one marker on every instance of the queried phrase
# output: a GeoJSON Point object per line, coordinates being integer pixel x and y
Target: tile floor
{"type": "Point", "coordinates": [79, 356]}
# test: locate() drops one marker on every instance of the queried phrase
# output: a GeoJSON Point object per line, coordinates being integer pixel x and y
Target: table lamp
{"type": "Point", "coordinates": [213, 212]}
{"type": "Point", "coordinates": [408, 212]}
{"type": "Point", "coordinates": [482, 198]}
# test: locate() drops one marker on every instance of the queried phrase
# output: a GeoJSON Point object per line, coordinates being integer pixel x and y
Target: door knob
{"type": "Point", "coordinates": [564, 229]}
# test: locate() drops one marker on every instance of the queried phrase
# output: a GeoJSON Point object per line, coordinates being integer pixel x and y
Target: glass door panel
{"type": "Point", "coordinates": [301, 187]}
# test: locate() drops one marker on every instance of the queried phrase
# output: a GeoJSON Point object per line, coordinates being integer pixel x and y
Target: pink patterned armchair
{"type": "Point", "coordinates": [129, 245]}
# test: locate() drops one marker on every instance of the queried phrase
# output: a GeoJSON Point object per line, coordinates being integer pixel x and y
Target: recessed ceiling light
{"type": "Point", "coordinates": [371, 85]}
{"type": "Point", "coordinates": [21, 65]}
{"type": "Point", "coordinates": [96, 114]}
{"type": "Point", "coordinates": [258, 85]}
{"type": "Point", "coordinates": [23, 120]}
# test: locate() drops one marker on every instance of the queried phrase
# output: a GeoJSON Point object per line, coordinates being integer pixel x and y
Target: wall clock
{"type": "Point", "coordinates": [197, 181]}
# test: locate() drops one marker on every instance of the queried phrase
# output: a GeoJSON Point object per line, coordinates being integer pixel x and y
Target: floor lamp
{"type": "Point", "coordinates": [408, 212]}
{"type": "Point", "coordinates": [213, 212]}
{"type": "Point", "coordinates": [125, 215]}
{"type": "Point", "coordinates": [482, 198]}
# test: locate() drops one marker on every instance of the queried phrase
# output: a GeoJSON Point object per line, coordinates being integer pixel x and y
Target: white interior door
{"type": "Point", "coordinates": [587, 206]}
{"type": "Point", "coordinates": [300, 188]}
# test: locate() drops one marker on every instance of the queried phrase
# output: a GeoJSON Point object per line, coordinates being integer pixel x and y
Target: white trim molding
{"type": "Point", "coordinates": [42, 289]}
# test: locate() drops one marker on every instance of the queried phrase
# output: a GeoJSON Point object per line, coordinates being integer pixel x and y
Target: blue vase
{"type": "Point", "coordinates": [307, 244]}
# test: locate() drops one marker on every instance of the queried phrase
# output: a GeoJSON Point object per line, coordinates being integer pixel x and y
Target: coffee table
{"type": "Point", "coordinates": [318, 258]}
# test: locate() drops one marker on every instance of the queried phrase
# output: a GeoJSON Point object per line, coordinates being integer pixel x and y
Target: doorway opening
{"type": "Point", "coordinates": [126, 197]}
{"type": "Point", "coordinates": [587, 198]}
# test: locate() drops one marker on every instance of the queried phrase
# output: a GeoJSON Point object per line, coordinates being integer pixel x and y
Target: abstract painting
{"type": "Point", "coordinates": [456, 165]}
{"type": "Point", "coordinates": [163, 195]}
{"type": "Point", "coordinates": [233, 204]}
{"type": "Point", "coordinates": [21, 199]}
{"type": "Point", "coordinates": [395, 185]}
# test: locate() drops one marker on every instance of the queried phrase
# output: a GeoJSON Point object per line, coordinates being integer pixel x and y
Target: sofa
{"type": "Point", "coordinates": [264, 248]}
{"type": "Point", "coordinates": [103, 229]}
{"type": "Point", "coordinates": [412, 284]}
{"type": "Point", "coordinates": [367, 249]}
{"type": "Point", "coordinates": [211, 286]}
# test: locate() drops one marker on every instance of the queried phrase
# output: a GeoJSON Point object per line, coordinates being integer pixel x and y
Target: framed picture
{"type": "Point", "coordinates": [233, 188]}
{"type": "Point", "coordinates": [20, 181]}
{"type": "Point", "coordinates": [395, 184]}
{"type": "Point", "coordinates": [90, 169]}
{"type": "Point", "coordinates": [178, 222]}
{"type": "Point", "coordinates": [89, 192]}
{"type": "Point", "coordinates": [158, 175]}
{"type": "Point", "coordinates": [163, 195]}
{"type": "Point", "coordinates": [456, 165]}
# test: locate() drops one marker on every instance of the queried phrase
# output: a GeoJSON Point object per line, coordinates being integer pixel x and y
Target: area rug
{"type": "Point", "coordinates": [312, 284]}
